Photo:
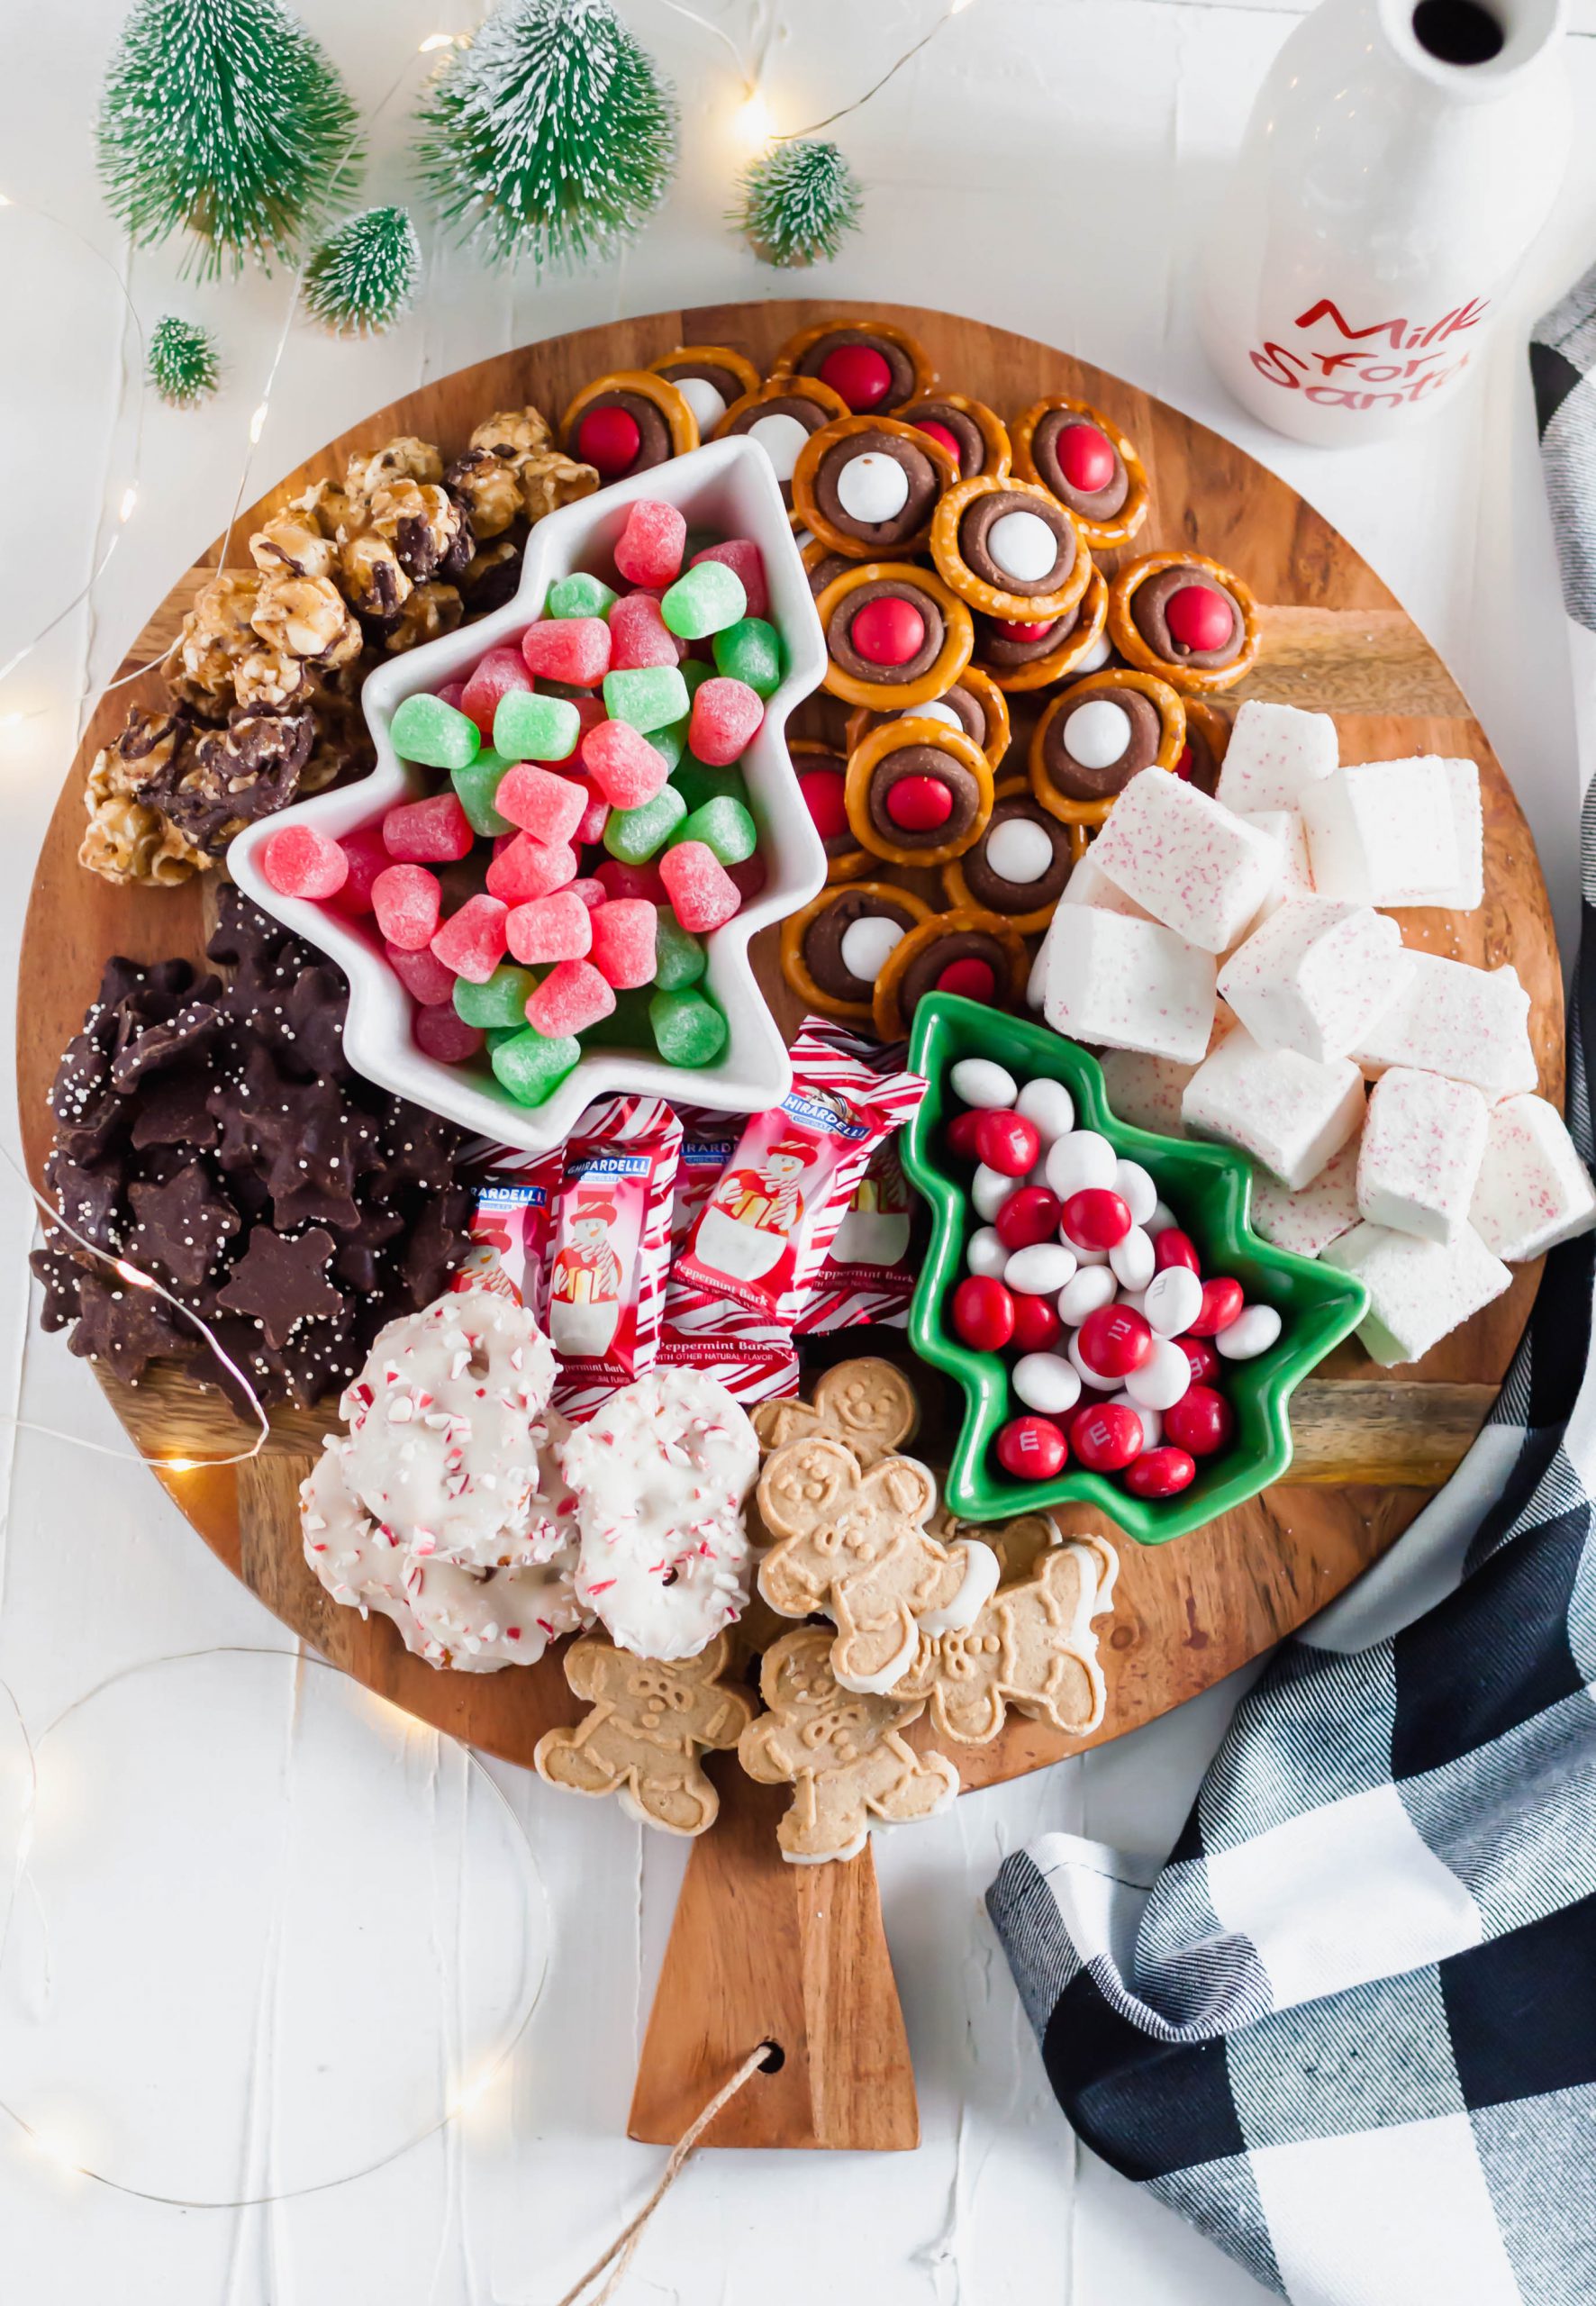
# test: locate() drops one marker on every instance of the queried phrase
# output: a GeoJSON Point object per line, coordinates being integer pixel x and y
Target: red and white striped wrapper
{"type": "Point", "coordinates": [869, 1274]}
{"type": "Point", "coordinates": [608, 1248]}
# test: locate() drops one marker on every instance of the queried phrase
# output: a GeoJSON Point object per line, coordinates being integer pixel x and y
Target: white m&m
{"type": "Point", "coordinates": [872, 488]}
{"type": "Point", "coordinates": [1023, 546]}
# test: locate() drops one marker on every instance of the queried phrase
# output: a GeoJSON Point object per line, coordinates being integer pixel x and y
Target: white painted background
{"type": "Point", "coordinates": [1042, 165]}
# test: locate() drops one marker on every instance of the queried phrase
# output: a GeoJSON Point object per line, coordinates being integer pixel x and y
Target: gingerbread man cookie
{"type": "Point", "coordinates": [646, 1726]}
{"type": "Point", "coordinates": [868, 1405]}
{"type": "Point", "coordinates": [853, 1543]}
{"type": "Point", "coordinates": [1032, 1648]}
{"type": "Point", "coordinates": [844, 1754]}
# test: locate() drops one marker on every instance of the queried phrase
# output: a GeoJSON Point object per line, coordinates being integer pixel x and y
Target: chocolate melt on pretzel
{"type": "Point", "coordinates": [925, 485]}
{"type": "Point", "coordinates": [810, 363]}
{"type": "Point", "coordinates": [1149, 607]}
{"type": "Point", "coordinates": [823, 942]}
{"type": "Point", "coordinates": [1073, 779]}
{"type": "Point", "coordinates": [808, 412]}
{"type": "Point", "coordinates": [828, 565]}
{"type": "Point", "coordinates": [989, 890]}
{"type": "Point", "coordinates": [654, 446]}
{"type": "Point", "coordinates": [982, 516]}
{"type": "Point", "coordinates": [1092, 504]}
{"type": "Point", "coordinates": [923, 760]}
{"type": "Point", "coordinates": [926, 968]}
{"type": "Point", "coordinates": [729, 387]}
{"type": "Point", "coordinates": [999, 649]}
{"type": "Point", "coordinates": [972, 440]}
{"type": "Point", "coordinates": [838, 632]}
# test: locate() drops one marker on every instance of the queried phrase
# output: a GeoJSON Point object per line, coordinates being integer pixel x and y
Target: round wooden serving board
{"type": "Point", "coordinates": [807, 1964]}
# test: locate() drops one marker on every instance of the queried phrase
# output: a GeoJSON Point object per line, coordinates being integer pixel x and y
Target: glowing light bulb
{"type": "Point", "coordinates": [130, 497]}
{"type": "Point", "coordinates": [131, 1273]}
{"type": "Point", "coordinates": [257, 424]}
{"type": "Point", "coordinates": [754, 123]}
{"type": "Point", "coordinates": [178, 1465]}
{"type": "Point", "coordinates": [435, 41]}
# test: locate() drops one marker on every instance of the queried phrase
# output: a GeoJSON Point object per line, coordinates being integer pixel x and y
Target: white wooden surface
{"type": "Point", "coordinates": [1043, 165]}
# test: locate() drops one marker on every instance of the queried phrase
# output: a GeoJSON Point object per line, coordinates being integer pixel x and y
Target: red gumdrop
{"type": "Point", "coordinates": [433, 831]}
{"type": "Point", "coordinates": [1096, 1218]}
{"type": "Point", "coordinates": [888, 631]}
{"type": "Point", "coordinates": [743, 557]}
{"type": "Point", "coordinates": [1171, 1246]}
{"type": "Point", "coordinates": [501, 673]}
{"type": "Point", "coordinates": [1006, 1142]}
{"type": "Point", "coordinates": [941, 434]}
{"type": "Point", "coordinates": [594, 817]}
{"type": "Point", "coordinates": [571, 997]}
{"type": "Point", "coordinates": [726, 715]}
{"type": "Point", "coordinates": [554, 928]}
{"type": "Point", "coordinates": [471, 941]}
{"type": "Point", "coordinates": [406, 900]}
{"type": "Point", "coordinates": [609, 438]}
{"type": "Point", "coordinates": [701, 892]}
{"type": "Point", "coordinates": [1106, 1436]}
{"type": "Point", "coordinates": [619, 880]}
{"type": "Point", "coordinates": [591, 892]}
{"type": "Point", "coordinates": [1202, 1358]}
{"type": "Point", "coordinates": [859, 373]}
{"type": "Point", "coordinates": [648, 550]}
{"type": "Point", "coordinates": [1085, 457]}
{"type": "Point", "coordinates": [1027, 1217]}
{"type": "Point", "coordinates": [451, 693]}
{"type": "Point", "coordinates": [749, 875]}
{"type": "Point", "coordinates": [527, 868]}
{"type": "Point", "coordinates": [1201, 1421]}
{"type": "Point", "coordinates": [1163, 1472]}
{"type": "Point", "coordinates": [961, 1136]}
{"type": "Point", "coordinates": [367, 855]}
{"type": "Point", "coordinates": [1036, 1325]}
{"type": "Point", "coordinates": [918, 803]}
{"type": "Point", "coordinates": [624, 937]}
{"type": "Point", "coordinates": [1183, 766]}
{"type": "Point", "coordinates": [623, 765]}
{"type": "Point", "coordinates": [1221, 1303]}
{"type": "Point", "coordinates": [823, 790]}
{"type": "Point", "coordinates": [1006, 629]}
{"type": "Point", "coordinates": [439, 1033]}
{"type": "Point", "coordinates": [1114, 1340]}
{"type": "Point", "coordinates": [574, 649]}
{"type": "Point", "coordinates": [548, 807]}
{"type": "Point", "coordinates": [1199, 617]}
{"type": "Point", "coordinates": [1031, 1448]}
{"type": "Point", "coordinates": [984, 1312]}
{"type": "Point", "coordinates": [972, 978]}
{"type": "Point", "coordinates": [640, 636]}
{"type": "Point", "coordinates": [421, 974]}
{"type": "Point", "coordinates": [300, 862]}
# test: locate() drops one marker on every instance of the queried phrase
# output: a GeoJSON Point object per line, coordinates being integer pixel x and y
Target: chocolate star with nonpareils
{"type": "Point", "coordinates": [309, 1204]}
{"type": "Point", "coordinates": [181, 1226]}
{"type": "Point", "coordinates": [89, 1198]}
{"type": "Point", "coordinates": [360, 1264]}
{"type": "Point", "coordinates": [152, 1048]}
{"type": "Point", "coordinates": [417, 1149]}
{"type": "Point", "coordinates": [320, 1359]}
{"type": "Point", "coordinates": [306, 1135]}
{"type": "Point", "coordinates": [437, 1242]}
{"type": "Point", "coordinates": [126, 1327]}
{"type": "Point", "coordinates": [59, 1274]}
{"type": "Point", "coordinates": [282, 1278]}
{"type": "Point", "coordinates": [171, 1110]}
{"type": "Point", "coordinates": [312, 1021]}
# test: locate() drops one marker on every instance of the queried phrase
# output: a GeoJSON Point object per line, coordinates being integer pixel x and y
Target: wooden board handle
{"type": "Point", "coordinates": [792, 1954]}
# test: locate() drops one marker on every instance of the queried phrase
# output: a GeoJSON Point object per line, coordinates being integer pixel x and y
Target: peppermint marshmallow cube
{"type": "Point", "coordinates": [1533, 1189]}
{"type": "Point", "coordinates": [1285, 827]}
{"type": "Point", "coordinates": [1466, 892]}
{"type": "Point", "coordinates": [1471, 1024]}
{"type": "Point", "coordinates": [1382, 832]}
{"type": "Point", "coordinates": [1274, 751]}
{"type": "Point", "coordinates": [1089, 885]}
{"type": "Point", "coordinates": [1187, 860]}
{"type": "Point", "coordinates": [1423, 1142]}
{"type": "Point", "coordinates": [1418, 1291]}
{"type": "Point", "coordinates": [1315, 976]}
{"type": "Point", "coordinates": [1127, 984]}
{"type": "Point", "coordinates": [1145, 1090]}
{"type": "Point", "coordinates": [1307, 1220]}
{"type": "Point", "coordinates": [1290, 1112]}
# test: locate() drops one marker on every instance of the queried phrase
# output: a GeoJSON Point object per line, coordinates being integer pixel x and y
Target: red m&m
{"type": "Point", "coordinates": [1201, 1421]}
{"type": "Point", "coordinates": [1096, 1219]}
{"type": "Point", "coordinates": [918, 803]}
{"type": "Point", "coordinates": [1027, 1216]}
{"type": "Point", "coordinates": [1161, 1473]}
{"type": "Point", "coordinates": [1006, 1142]}
{"type": "Point", "coordinates": [1114, 1340]}
{"type": "Point", "coordinates": [859, 373]}
{"type": "Point", "coordinates": [941, 434]}
{"type": "Point", "coordinates": [1199, 617]}
{"type": "Point", "coordinates": [1008, 631]}
{"type": "Point", "coordinates": [1032, 1449]}
{"type": "Point", "coordinates": [1036, 1325]}
{"type": "Point", "coordinates": [1106, 1436]}
{"type": "Point", "coordinates": [1171, 1246]}
{"type": "Point", "coordinates": [984, 1314]}
{"type": "Point", "coordinates": [609, 438]}
{"type": "Point", "coordinates": [1085, 459]}
{"type": "Point", "coordinates": [1223, 1302]}
{"type": "Point", "coordinates": [823, 790]}
{"type": "Point", "coordinates": [888, 631]}
{"type": "Point", "coordinates": [971, 977]}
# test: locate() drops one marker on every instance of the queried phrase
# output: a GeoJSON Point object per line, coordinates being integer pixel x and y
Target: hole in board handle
{"type": "Point", "coordinates": [774, 2060]}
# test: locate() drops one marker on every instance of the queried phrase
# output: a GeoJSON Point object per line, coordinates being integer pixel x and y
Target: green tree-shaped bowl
{"type": "Point", "coordinates": [1208, 1188]}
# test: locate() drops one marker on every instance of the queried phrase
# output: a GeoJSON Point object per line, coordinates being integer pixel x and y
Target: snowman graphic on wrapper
{"type": "Point", "coordinates": [585, 1286]}
{"type": "Point", "coordinates": [755, 1213]}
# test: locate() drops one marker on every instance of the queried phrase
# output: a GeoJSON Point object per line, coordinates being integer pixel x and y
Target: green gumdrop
{"type": "Point", "coordinates": [688, 1028]}
{"type": "Point", "coordinates": [494, 1034]}
{"type": "Point", "coordinates": [535, 727]}
{"type": "Point", "coordinates": [700, 541]}
{"type": "Point", "coordinates": [649, 696]}
{"type": "Point", "coordinates": [695, 671]}
{"type": "Point", "coordinates": [528, 1066]}
{"type": "Point", "coordinates": [634, 835]}
{"type": "Point", "coordinates": [750, 651]}
{"type": "Point", "coordinates": [678, 956]}
{"type": "Point", "coordinates": [725, 827]}
{"type": "Point", "coordinates": [669, 743]}
{"type": "Point", "coordinates": [627, 1025]}
{"type": "Point", "coordinates": [706, 599]}
{"type": "Point", "coordinates": [697, 781]}
{"type": "Point", "coordinates": [580, 594]}
{"type": "Point", "coordinates": [501, 1001]}
{"type": "Point", "coordinates": [476, 786]}
{"type": "Point", "coordinates": [426, 730]}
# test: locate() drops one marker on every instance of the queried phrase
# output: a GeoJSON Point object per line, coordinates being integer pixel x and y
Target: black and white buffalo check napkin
{"type": "Point", "coordinates": [1349, 2027]}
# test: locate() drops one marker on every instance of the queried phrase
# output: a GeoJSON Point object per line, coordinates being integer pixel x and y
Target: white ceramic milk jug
{"type": "Point", "coordinates": [1397, 162]}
